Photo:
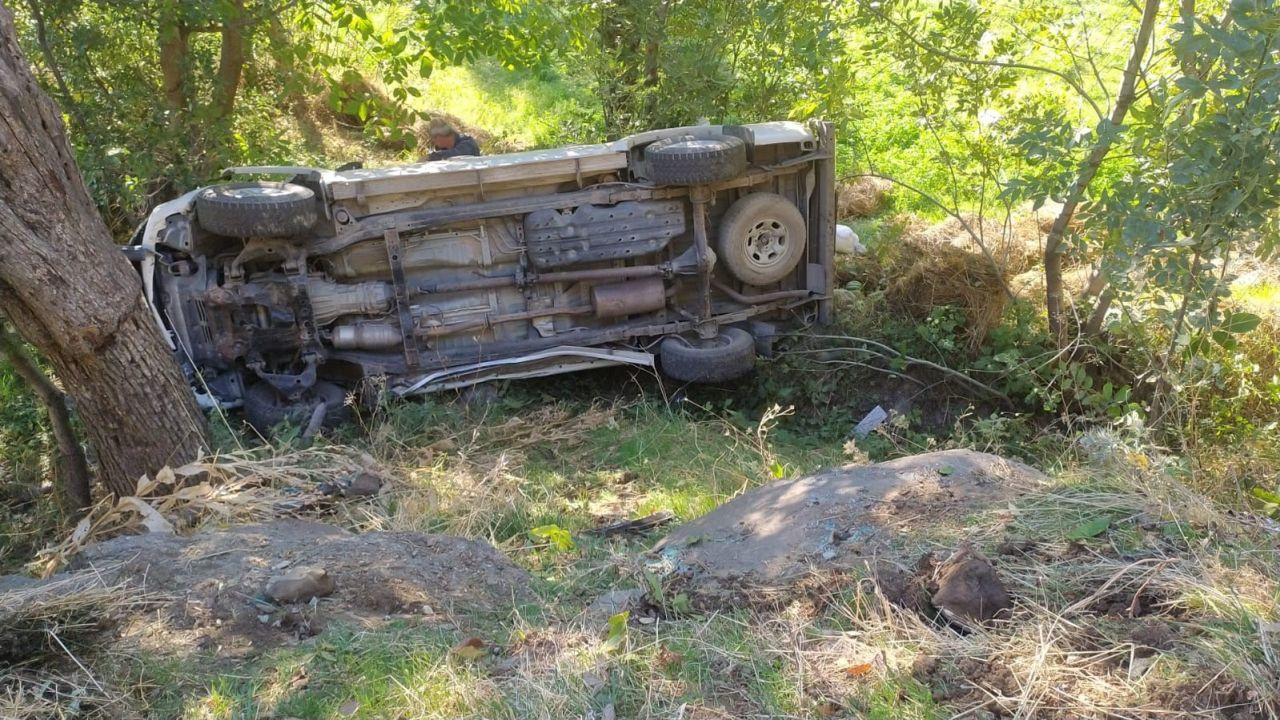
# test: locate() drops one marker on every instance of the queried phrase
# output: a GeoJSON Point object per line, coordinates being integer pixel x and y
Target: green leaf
{"type": "Point", "coordinates": [1240, 322]}
{"type": "Point", "coordinates": [777, 470]}
{"type": "Point", "coordinates": [1266, 496]}
{"type": "Point", "coordinates": [1090, 528]}
{"type": "Point", "coordinates": [559, 538]}
{"type": "Point", "coordinates": [616, 636]}
{"type": "Point", "coordinates": [946, 470]}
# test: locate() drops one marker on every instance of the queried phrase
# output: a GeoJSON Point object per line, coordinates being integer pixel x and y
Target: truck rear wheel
{"type": "Point", "coordinates": [728, 356]}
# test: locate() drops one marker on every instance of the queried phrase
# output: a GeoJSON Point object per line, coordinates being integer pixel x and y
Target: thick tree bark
{"type": "Point", "coordinates": [70, 293]}
{"type": "Point", "coordinates": [1053, 243]}
{"type": "Point", "coordinates": [72, 469]}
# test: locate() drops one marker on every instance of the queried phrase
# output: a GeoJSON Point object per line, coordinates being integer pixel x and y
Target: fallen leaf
{"type": "Point", "coordinates": [153, 521]}
{"type": "Point", "coordinates": [859, 670]}
{"type": "Point", "coordinates": [668, 658]}
{"type": "Point", "coordinates": [81, 532]}
{"type": "Point", "coordinates": [1090, 528]}
{"type": "Point", "coordinates": [164, 476]}
{"type": "Point", "coordinates": [946, 470]}
{"type": "Point", "coordinates": [616, 635]}
{"type": "Point", "coordinates": [1141, 665]}
{"type": "Point", "coordinates": [348, 708]}
{"type": "Point", "coordinates": [299, 679]}
{"type": "Point", "coordinates": [473, 648]}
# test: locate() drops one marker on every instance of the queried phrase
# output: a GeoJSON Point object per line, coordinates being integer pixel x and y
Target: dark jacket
{"type": "Point", "coordinates": [462, 145]}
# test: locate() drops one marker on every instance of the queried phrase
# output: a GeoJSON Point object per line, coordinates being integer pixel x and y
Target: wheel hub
{"type": "Point", "coordinates": [766, 242]}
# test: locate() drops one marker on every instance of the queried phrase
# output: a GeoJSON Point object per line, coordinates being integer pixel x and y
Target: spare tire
{"type": "Point", "coordinates": [689, 160]}
{"type": "Point", "coordinates": [265, 408]}
{"type": "Point", "coordinates": [762, 238]}
{"type": "Point", "coordinates": [728, 356]}
{"type": "Point", "coordinates": [256, 209]}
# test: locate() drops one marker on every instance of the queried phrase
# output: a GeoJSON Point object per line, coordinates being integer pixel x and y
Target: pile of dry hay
{"type": "Point", "coordinates": [942, 264]}
{"type": "Point", "coordinates": [861, 197]}
{"type": "Point", "coordinates": [242, 486]}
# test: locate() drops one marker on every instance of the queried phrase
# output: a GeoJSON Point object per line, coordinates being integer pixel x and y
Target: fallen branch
{"type": "Point", "coordinates": [910, 360]}
{"type": "Point", "coordinates": [648, 522]}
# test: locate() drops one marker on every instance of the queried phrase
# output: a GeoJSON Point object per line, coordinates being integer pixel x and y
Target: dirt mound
{"type": "Point", "coordinates": [213, 582]}
{"type": "Point", "coordinates": [768, 539]}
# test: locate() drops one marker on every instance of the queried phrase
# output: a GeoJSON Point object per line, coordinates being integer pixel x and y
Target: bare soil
{"type": "Point", "coordinates": [213, 582]}
{"type": "Point", "coordinates": [851, 518]}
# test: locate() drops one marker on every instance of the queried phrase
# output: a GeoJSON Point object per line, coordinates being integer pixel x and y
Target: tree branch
{"type": "Point", "coordinates": [72, 469]}
{"type": "Point", "coordinates": [1053, 242]}
{"type": "Point", "coordinates": [945, 55]}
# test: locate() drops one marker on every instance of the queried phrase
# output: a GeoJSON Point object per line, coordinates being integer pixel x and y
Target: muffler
{"type": "Point", "coordinates": [632, 297]}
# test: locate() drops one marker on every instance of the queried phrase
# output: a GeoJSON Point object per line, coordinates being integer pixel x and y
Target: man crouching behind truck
{"type": "Point", "coordinates": [448, 143]}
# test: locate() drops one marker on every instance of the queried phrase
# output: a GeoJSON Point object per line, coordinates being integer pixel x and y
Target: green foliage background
{"type": "Point", "coordinates": [974, 110]}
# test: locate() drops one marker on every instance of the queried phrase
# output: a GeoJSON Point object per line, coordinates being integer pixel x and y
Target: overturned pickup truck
{"type": "Point", "coordinates": [695, 244]}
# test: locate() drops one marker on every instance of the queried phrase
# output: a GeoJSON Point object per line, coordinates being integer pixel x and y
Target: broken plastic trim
{"type": "Point", "coordinates": [456, 376]}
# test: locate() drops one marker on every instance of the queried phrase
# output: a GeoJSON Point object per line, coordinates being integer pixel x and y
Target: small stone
{"type": "Point", "coordinates": [612, 603]}
{"type": "Point", "coordinates": [300, 585]}
{"type": "Point", "coordinates": [363, 484]}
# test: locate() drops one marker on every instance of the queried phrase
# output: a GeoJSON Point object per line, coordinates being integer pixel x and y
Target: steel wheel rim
{"type": "Point", "coordinates": [766, 243]}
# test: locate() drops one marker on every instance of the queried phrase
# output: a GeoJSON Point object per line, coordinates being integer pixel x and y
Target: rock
{"type": "Point", "coordinates": [363, 484]}
{"type": "Point", "coordinates": [834, 520]}
{"type": "Point", "coordinates": [300, 585]}
{"type": "Point", "coordinates": [968, 589]}
{"type": "Point", "coordinates": [610, 604]}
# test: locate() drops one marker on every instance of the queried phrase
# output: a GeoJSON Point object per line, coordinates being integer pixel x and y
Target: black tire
{"type": "Point", "coordinates": [762, 238]}
{"type": "Point", "coordinates": [729, 356]}
{"type": "Point", "coordinates": [689, 160]}
{"type": "Point", "coordinates": [256, 209]}
{"type": "Point", "coordinates": [264, 408]}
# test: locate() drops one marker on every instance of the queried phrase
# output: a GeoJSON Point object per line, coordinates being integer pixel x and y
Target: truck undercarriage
{"type": "Point", "coordinates": [690, 243]}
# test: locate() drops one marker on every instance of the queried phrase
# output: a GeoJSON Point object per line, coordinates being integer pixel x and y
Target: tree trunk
{"type": "Point", "coordinates": [70, 293]}
{"type": "Point", "coordinates": [72, 469]}
{"type": "Point", "coordinates": [1053, 243]}
{"type": "Point", "coordinates": [230, 61]}
{"type": "Point", "coordinates": [174, 40]}
{"type": "Point", "coordinates": [46, 50]}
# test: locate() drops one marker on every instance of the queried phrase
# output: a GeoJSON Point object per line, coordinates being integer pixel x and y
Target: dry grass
{"type": "Point", "coordinates": [1071, 648]}
{"type": "Point", "coordinates": [861, 197]}
{"type": "Point", "coordinates": [963, 262]}
{"type": "Point", "coordinates": [45, 631]}
{"type": "Point", "coordinates": [1074, 645]}
{"type": "Point", "coordinates": [235, 487]}
{"type": "Point", "coordinates": [462, 482]}
{"type": "Point", "coordinates": [44, 695]}
{"type": "Point", "coordinates": [947, 275]}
